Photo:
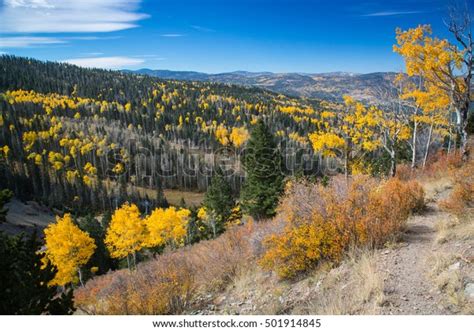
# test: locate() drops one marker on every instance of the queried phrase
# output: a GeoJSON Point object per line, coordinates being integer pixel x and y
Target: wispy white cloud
{"type": "Point", "coordinates": [392, 13]}
{"type": "Point", "coordinates": [202, 28]}
{"type": "Point", "coordinates": [56, 16]}
{"type": "Point", "coordinates": [150, 57]}
{"type": "Point", "coordinates": [172, 35]}
{"type": "Point", "coordinates": [21, 42]}
{"type": "Point", "coordinates": [92, 38]}
{"type": "Point", "coordinates": [92, 54]}
{"type": "Point", "coordinates": [30, 3]}
{"type": "Point", "coordinates": [111, 62]}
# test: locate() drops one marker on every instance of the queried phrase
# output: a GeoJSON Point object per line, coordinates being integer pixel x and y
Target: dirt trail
{"type": "Point", "coordinates": [407, 286]}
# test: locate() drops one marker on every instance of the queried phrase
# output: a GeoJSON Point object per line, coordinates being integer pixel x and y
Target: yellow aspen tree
{"type": "Point", "coordinates": [126, 233]}
{"type": "Point", "coordinates": [350, 131]}
{"type": "Point", "coordinates": [222, 135]}
{"type": "Point", "coordinates": [167, 226]}
{"type": "Point", "coordinates": [239, 136]}
{"type": "Point", "coordinates": [67, 248]}
{"type": "Point", "coordinates": [393, 130]}
{"type": "Point", "coordinates": [438, 64]}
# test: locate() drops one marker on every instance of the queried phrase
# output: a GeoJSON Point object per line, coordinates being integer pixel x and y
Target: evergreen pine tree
{"type": "Point", "coordinates": [264, 178]}
{"type": "Point", "coordinates": [219, 201]}
{"type": "Point", "coordinates": [5, 196]}
{"type": "Point", "coordinates": [101, 257]}
{"type": "Point", "coordinates": [161, 201]}
{"type": "Point", "coordinates": [24, 280]}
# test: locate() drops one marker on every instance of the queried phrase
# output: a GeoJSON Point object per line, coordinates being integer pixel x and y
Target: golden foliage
{"type": "Point", "coordinates": [166, 226]}
{"type": "Point", "coordinates": [126, 233]}
{"type": "Point", "coordinates": [67, 248]}
{"type": "Point", "coordinates": [321, 223]}
{"type": "Point", "coordinates": [434, 61]}
{"type": "Point", "coordinates": [239, 136]}
{"type": "Point", "coordinates": [354, 129]}
{"type": "Point", "coordinates": [222, 135]}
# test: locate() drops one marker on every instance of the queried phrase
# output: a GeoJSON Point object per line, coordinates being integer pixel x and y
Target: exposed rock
{"type": "Point", "coordinates": [469, 291]}
{"type": "Point", "coordinates": [455, 266]}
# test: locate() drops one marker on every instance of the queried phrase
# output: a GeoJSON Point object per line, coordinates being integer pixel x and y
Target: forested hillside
{"type": "Point", "coordinates": [79, 137]}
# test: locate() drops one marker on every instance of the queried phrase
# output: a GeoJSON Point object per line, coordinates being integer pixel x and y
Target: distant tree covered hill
{"type": "Point", "coordinates": [327, 86]}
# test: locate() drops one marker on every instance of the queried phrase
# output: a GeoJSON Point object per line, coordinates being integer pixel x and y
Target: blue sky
{"type": "Point", "coordinates": [216, 35]}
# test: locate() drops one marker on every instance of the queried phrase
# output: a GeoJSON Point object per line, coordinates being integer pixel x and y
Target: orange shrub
{"type": "Point", "coordinates": [436, 166]}
{"type": "Point", "coordinates": [462, 195]}
{"type": "Point", "coordinates": [301, 247]}
{"type": "Point", "coordinates": [388, 209]}
{"type": "Point", "coordinates": [164, 287]}
{"type": "Point", "coordinates": [321, 223]}
{"type": "Point", "coordinates": [405, 172]}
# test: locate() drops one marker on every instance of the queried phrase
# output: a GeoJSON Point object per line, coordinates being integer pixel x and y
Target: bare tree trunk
{"type": "Point", "coordinates": [428, 143]}
{"type": "Point", "coordinates": [449, 143]}
{"type": "Point", "coordinates": [413, 155]}
{"type": "Point", "coordinates": [393, 164]}
{"type": "Point", "coordinates": [460, 25]}
{"type": "Point", "coordinates": [80, 276]}
{"type": "Point", "coordinates": [346, 165]}
{"type": "Point", "coordinates": [463, 131]}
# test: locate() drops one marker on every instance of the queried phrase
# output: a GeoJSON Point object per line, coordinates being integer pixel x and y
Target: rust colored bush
{"type": "Point", "coordinates": [437, 166]}
{"type": "Point", "coordinates": [441, 162]}
{"type": "Point", "coordinates": [462, 195]}
{"type": "Point", "coordinates": [164, 287]}
{"type": "Point", "coordinates": [169, 283]}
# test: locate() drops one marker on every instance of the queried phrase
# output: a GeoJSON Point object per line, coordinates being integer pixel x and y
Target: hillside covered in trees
{"type": "Point", "coordinates": [81, 137]}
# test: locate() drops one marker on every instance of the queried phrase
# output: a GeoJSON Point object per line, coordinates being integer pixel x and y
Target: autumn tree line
{"type": "Point", "coordinates": [81, 144]}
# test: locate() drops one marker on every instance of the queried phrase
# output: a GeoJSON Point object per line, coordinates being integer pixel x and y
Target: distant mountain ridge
{"type": "Point", "coordinates": [327, 86]}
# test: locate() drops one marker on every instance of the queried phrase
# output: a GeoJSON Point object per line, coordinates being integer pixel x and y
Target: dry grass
{"type": "Point", "coordinates": [174, 197]}
{"type": "Point", "coordinates": [444, 229]}
{"type": "Point", "coordinates": [450, 282]}
{"type": "Point", "coordinates": [253, 292]}
{"type": "Point", "coordinates": [451, 265]}
{"type": "Point", "coordinates": [434, 188]}
{"type": "Point", "coordinates": [353, 288]}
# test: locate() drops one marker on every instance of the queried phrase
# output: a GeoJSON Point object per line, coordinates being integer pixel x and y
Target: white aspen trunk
{"type": "Point", "coordinates": [449, 143]}
{"type": "Point", "coordinates": [428, 143]}
{"type": "Point", "coordinates": [413, 155]}
{"type": "Point", "coordinates": [393, 163]}
{"type": "Point", "coordinates": [80, 276]}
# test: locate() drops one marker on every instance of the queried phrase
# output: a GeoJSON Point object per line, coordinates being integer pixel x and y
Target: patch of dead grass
{"type": "Point", "coordinates": [353, 288]}
{"type": "Point", "coordinates": [449, 266]}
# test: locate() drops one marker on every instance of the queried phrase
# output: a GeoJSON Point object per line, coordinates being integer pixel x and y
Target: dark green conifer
{"type": "Point", "coordinates": [264, 181]}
